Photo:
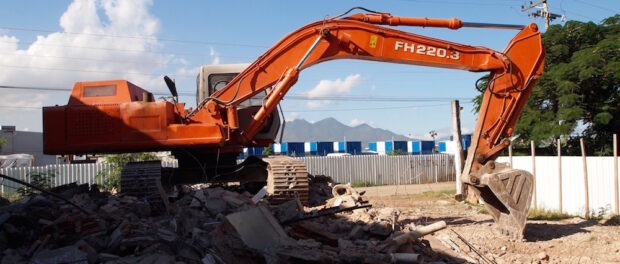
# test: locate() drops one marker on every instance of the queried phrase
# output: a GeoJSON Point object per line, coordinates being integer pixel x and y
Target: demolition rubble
{"type": "Point", "coordinates": [210, 224]}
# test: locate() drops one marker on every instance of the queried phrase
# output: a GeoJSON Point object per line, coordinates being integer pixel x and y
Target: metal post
{"type": "Point", "coordinates": [560, 174]}
{"type": "Point", "coordinates": [585, 176]}
{"type": "Point", "coordinates": [458, 155]}
{"type": "Point", "coordinates": [533, 147]}
{"type": "Point", "coordinates": [510, 153]}
{"type": "Point", "coordinates": [616, 172]}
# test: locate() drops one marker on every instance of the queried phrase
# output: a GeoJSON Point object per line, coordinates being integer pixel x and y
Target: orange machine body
{"type": "Point", "coordinates": [98, 120]}
{"type": "Point", "coordinates": [115, 116]}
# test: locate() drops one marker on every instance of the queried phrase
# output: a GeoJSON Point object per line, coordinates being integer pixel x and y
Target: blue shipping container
{"type": "Point", "coordinates": [388, 146]}
{"type": "Point", "coordinates": [324, 148]}
{"type": "Point", "coordinates": [372, 146]}
{"type": "Point", "coordinates": [340, 147]}
{"type": "Point", "coordinates": [400, 146]}
{"type": "Point", "coordinates": [354, 147]}
{"type": "Point", "coordinates": [466, 141]}
{"type": "Point", "coordinates": [295, 149]}
{"type": "Point", "coordinates": [415, 147]}
{"type": "Point", "coordinates": [428, 146]}
{"type": "Point", "coordinates": [442, 147]}
{"type": "Point", "coordinates": [256, 151]}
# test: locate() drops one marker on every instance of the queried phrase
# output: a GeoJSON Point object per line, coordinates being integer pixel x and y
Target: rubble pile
{"type": "Point", "coordinates": [208, 224]}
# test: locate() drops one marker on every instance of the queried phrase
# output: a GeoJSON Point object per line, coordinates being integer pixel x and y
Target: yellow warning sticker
{"type": "Point", "coordinates": [373, 41]}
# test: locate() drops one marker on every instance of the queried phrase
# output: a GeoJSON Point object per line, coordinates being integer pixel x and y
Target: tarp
{"type": "Point", "coordinates": [16, 160]}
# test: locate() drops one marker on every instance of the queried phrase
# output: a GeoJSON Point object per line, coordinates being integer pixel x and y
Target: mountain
{"type": "Point", "coordinates": [330, 129]}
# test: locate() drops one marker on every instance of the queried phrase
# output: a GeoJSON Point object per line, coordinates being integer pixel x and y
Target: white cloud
{"type": "Point", "coordinates": [336, 87]}
{"type": "Point", "coordinates": [356, 122]}
{"type": "Point", "coordinates": [23, 101]}
{"type": "Point", "coordinates": [50, 61]}
{"type": "Point", "coordinates": [214, 55]}
{"type": "Point", "coordinates": [291, 116]}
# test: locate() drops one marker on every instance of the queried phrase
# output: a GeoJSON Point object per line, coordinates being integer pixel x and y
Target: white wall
{"type": "Point", "coordinates": [600, 182]}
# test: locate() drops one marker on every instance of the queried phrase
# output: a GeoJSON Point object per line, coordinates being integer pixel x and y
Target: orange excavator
{"type": "Point", "coordinates": [237, 106]}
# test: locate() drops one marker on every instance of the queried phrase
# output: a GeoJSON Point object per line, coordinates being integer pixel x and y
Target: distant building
{"type": "Point", "coordinates": [25, 142]}
{"type": "Point", "coordinates": [413, 147]}
{"type": "Point", "coordinates": [449, 146]}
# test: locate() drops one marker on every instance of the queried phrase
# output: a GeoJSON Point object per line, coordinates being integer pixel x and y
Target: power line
{"type": "Point", "coordinates": [456, 3]}
{"type": "Point", "coordinates": [290, 96]}
{"type": "Point", "coordinates": [374, 98]}
{"type": "Point", "coordinates": [21, 107]}
{"type": "Point", "coordinates": [58, 89]}
{"type": "Point", "coordinates": [297, 111]}
{"type": "Point", "coordinates": [177, 63]}
{"type": "Point", "coordinates": [362, 109]}
{"type": "Point", "coordinates": [214, 43]}
{"type": "Point", "coordinates": [544, 13]}
{"type": "Point", "coordinates": [92, 71]}
{"type": "Point", "coordinates": [111, 61]}
{"type": "Point", "coordinates": [109, 49]}
{"type": "Point", "coordinates": [597, 6]}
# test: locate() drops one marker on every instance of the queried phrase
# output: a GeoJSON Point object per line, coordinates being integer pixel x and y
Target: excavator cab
{"type": "Point", "coordinates": [212, 78]}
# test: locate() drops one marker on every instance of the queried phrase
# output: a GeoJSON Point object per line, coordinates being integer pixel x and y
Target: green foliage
{"type": "Point", "coordinates": [2, 141]}
{"type": "Point", "coordinates": [579, 90]}
{"type": "Point", "coordinates": [267, 151]}
{"type": "Point", "coordinates": [396, 152]}
{"type": "Point", "coordinates": [112, 180]}
{"type": "Point", "coordinates": [42, 180]}
{"type": "Point", "coordinates": [545, 214]}
{"type": "Point", "coordinates": [362, 183]}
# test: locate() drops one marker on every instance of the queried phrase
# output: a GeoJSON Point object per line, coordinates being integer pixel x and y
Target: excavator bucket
{"type": "Point", "coordinates": [507, 195]}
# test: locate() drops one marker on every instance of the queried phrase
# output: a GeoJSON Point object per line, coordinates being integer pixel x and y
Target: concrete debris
{"type": "Point", "coordinates": [208, 224]}
{"type": "Point", "coordinates": [542, 256]}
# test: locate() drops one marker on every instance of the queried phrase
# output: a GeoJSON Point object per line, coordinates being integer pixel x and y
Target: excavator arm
{"type": "Point", "coordinates": [513, 73]}
{"type": "Point", "coordinates": [118, 116]}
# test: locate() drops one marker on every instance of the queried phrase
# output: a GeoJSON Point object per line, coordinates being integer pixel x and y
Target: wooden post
{"type": "Point", "coordinates": [510, 153]}
{"type": "Point", "coordinates": [560, 174]}
{"type": "Point", "coordinates": [458, 155]}
{"type": "Point", "coordinates": [616, 171]}
{"type": "Point", "coordinates": [585, 176]}
{"type": "Point", "coordinates": [534, 171]}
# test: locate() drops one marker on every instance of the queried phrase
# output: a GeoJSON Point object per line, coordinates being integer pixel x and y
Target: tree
{"type": "Point", "coordinates": [2, 142]}
{"type": "Point", "coordinates": [112, 181]}
{"type": "Point", "coordinates": [267, 151]}
{"type": "Point", "coordinates": [41, 179]}
{"type": "Point", "coordinates": [578, 94]}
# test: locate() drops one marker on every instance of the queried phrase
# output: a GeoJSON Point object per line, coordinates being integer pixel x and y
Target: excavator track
{"type": "Point", "coordinates": [287, 179]}
{"type": "Point", "coordinates": [143, 181]}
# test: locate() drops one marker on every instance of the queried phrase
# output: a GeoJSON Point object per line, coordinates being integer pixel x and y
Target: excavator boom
{"type": "Point", "coordinates": [221, 123]}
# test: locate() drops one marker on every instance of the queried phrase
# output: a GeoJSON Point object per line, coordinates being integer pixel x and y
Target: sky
{"type": "Point", "coordinates": [53, 44]}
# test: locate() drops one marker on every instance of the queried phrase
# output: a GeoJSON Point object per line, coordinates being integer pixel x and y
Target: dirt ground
{"type": "Point", "coordinates": [566, 241]}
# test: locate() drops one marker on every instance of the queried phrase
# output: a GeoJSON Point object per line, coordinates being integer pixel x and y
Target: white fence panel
{"type": "Point", "coordinates": [406, 169]}
{"type": "Point", "coordinates": [58, 174]}
{"type": "Point", "coordinates": [381, 169]}
{"type": "Point", "coordinates": [600, 182]}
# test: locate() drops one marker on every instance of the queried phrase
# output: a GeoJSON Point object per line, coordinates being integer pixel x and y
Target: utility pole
{"type": "Point", "coordinates": [433, 134]}
{"type": "Point", "coordinates": [458, 155]}
{"type": "Point", "coordinates": [544, 13]}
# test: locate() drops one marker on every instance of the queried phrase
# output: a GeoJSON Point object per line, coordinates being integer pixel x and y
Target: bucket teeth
{"type": "Point", "coordinates": [507, 197]}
